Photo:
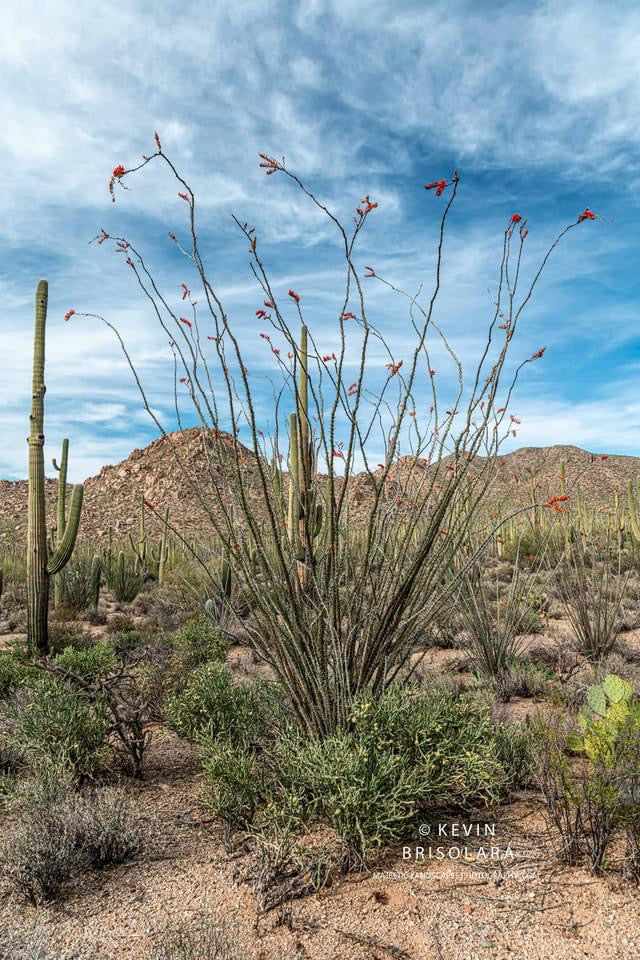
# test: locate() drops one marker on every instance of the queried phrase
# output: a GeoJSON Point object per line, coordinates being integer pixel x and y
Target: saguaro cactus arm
{"type": "Point", "coordinates": [634, 523]}
{"type": "Point", "coordinates": [65, 545]}
{"type": "Point", "coordinates": [61, 512]}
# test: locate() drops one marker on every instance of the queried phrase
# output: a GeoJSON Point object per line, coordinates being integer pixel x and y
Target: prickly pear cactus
{"type": "Point", "coordinates": [617, 689]}
{"type": "Point", "coordinates": [609, 712]}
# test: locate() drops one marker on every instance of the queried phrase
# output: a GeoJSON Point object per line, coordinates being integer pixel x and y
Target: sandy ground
{"type": "Point", "coordinates": [513, 903]}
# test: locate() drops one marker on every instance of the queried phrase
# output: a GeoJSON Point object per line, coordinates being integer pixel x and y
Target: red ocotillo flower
{"type": "Point", "coordinates": [294, 296]}
{"type": "Point", "coordinates": [186, 322]}
{"type": "Point", "coordinates": [270, 163]}
{"type": "Point", "coordinates": [538, 353]}
{"type": "Point", "coordinates": [437, 185]}
{"type": "Point", "coordinates": [516, 218]}
{"type": "Point", "coordinates": [69, 314]}
{"type": "Point", "coordinates": [587, 215]}
{"type": "Point", "coordinates": [118, 171]}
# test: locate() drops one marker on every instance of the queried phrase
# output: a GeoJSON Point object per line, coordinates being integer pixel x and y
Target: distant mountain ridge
{"type": "Point", "coordinates": [112, 497]}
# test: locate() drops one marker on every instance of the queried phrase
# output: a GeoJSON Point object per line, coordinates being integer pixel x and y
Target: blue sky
{"type": "Point", "coordinates": [536, 105]}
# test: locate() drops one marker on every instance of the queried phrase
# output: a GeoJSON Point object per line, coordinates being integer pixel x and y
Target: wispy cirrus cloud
{"type": "Point", "coordinates": [536, 104]}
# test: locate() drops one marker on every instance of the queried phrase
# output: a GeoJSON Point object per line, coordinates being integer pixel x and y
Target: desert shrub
{"type": "Point", "coordinates": [515, 746]}
{"type": "Point", "coordinates": [450, 742]}
{"type": "Point", "coordinates": [61, 832]}
{"type": "Point", "coordinates": [60, 723]}
{"type": "Point", "coordinates": [42, 854]}
{"type": "Point", "coordinates": [75, 583]}
{"type": "Point", "coordinates": [528, 544]}
{"type": "Point", "coordinates": [591, 587]}
{"type": "Point", "coordinates": [62, 635]}
{"type": "Point", "coordinates": [197, 642]}
{"type": "Point", "coordinates": [214, 704]}
{"type": "Point", "coordinates": [90, 662]}
{"type": "Point", "coordinates": [124, 579]}
{"type": "Point", "coordinates": [494, 616]}
{"type": "Point", "coordinates": [13, 674]}
{"type": "Point", "coordinates": [110, 827]}
{"type": "Point", "coordinates": [124, 642]}
{"type": "Point", "coordinates": [11, 753]}
{"type": "Point", "coordinates": [526, 678]}
{"type": "Point", "coordinates": [367, 795]}
{"type": "Point", "coordinates": [401, 754]}
{"type": "Point", "coordinates": [120, 622]}
{"type": "Point", "coordinates": [233, 781]}
{"type": "Point", "coordinates": [591, 797]}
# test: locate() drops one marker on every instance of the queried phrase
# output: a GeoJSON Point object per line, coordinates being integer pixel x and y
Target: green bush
{"type": "Point", "coordinates": [213, 704]}
{"type": "Point", "coordinates": [197, 642]}
{"type": "Point", "coordinates": [401, 755]}
{"type": "Point", "coordinates": [367, 795]}
{"type": "Point", "coordinates": [124, 642]}
{"type": "Point", "coordinates": [13, 674]}
{"type": "Point", "coordinates": [91, 662]}
{"type": "Point", "coordinates": [233, 781]}
{"type": "Point", "coordinates": [450, 742]}
{"type": "Point", "coordinates": [59, 723]}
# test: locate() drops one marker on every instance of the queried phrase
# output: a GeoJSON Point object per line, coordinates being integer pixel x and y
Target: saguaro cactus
{"type": "Point", "coordinates": [40, 567]}
{"type": "Point", "coordinates": [61, 513]}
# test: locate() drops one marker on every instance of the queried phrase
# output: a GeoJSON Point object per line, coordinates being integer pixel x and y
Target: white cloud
{"type": "Point", "coordinates": [358, 96]}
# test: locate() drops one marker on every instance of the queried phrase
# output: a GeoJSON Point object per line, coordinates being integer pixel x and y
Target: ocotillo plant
{"type": "Point", "coordinates": [342, 614]}
{"type": "Point", "coordinates": [40, 566]}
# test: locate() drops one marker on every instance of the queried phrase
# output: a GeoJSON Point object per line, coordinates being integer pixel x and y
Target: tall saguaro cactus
{"type": "Point", "coordinates": [40, 567]}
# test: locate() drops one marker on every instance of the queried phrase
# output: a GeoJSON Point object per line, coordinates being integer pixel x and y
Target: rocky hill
{"type": "Point", "coordinates": [112, 498]}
